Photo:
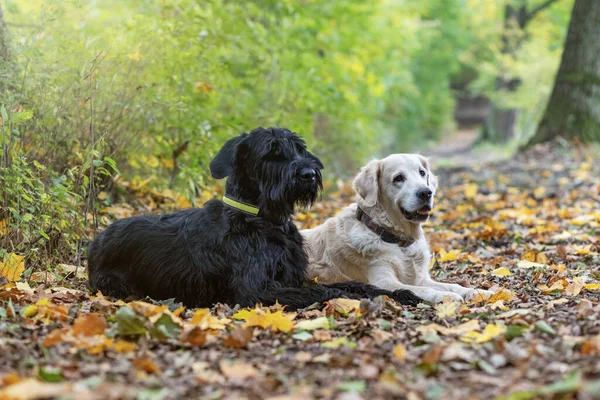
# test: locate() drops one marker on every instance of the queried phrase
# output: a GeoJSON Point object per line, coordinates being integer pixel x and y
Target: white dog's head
{"type": "Point", "coordinates": [401, 184]}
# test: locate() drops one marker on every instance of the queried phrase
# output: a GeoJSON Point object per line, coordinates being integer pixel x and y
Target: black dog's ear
{"type": "Point", "coordinates": [222, 165]}
{"type": "Point", "coordinates": [316, 159]}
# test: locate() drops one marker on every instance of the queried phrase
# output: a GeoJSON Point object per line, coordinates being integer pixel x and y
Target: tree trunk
{"type": "Point", "coordinates": [574, 107]}
{"type": "Point", "coordinates": [4, 42]}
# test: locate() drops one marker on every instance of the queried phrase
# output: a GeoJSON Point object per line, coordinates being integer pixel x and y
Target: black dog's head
{"type": "Point", "coordinates": [271, 169]}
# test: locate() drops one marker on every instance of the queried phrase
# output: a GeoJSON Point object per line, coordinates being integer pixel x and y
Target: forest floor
{"type": "Point", "coordinates": [526, 228]}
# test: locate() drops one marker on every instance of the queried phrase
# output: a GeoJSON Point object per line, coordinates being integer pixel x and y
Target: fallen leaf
{"type": "Point", "coordinates": [341, 306]}
{"type": "Point", "coordinates": [195, 336]}
{"type": "Point", "coordinates": [448, 256]}
{"type": "Point", "coordinates": [146, 364]}
{"type": "Point", "coordinates": [12, 266]}
{"type": "Point", "coordinates": [446, 309]}
{"type": "Point", "coordinates": [205, 320]}
{"type": "Point", "coordinates": [278, 321]}
{"type": "Point", "coordinates": [502, 271]}
{"type": "Point", "coordinates": [312, 324]}
{"type": "Point", "coordinates": [471, 190]}
{"type": "Point", "coordinates": [490, 332]}
{"type": "Point", "coordinates": [237, 371]}
{"type": "Point", "coordinates": [575, 287]}
{"type": "Point", "coordinates": [400, 352]}
{"type": "Point", "coordinates": [239, 337]}
{"type": "Point", "coordinates": [530, 264]}
{"type": "Point", "coordinates": [30, 388]}
{"type": "Point", "coordinates": [89, 325]}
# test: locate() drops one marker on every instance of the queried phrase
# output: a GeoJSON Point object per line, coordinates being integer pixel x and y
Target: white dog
{"type": "Point", "coordinates": [379, 239]}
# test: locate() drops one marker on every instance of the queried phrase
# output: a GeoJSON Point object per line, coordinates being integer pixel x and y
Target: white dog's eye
{"type": "Point", "coordinates": [422, 172]}
{"type": "Point", "coordinates": [399, 178]}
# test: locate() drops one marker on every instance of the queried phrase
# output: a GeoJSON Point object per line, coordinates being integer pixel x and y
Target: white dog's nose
{"type": "Point", "coordinates": [424, 193]}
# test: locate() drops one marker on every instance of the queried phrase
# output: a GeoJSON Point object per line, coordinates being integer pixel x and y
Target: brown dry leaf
{"type": "Point", "coordinates": [147, 309]}
{"type": "Point", "coordinates": [342, 307]}
{"type": "Point", "coordinates": [400, 352]}
{"type": "Point", "coordinates": [433, 355]}
{"type": "Point", "coordinates": [89, 325]}
{"type": "Point", "coordinates": [146, 364]}
{"type": "Point", "coordinates": [239, 337]}
{"type": "Point", "coordinates": [575, 287]}
{"type": "Point", "coordinates": [237, 371]}
{"type": "Point", "coordinates": [584, 308]}
{"type": "Point", "coordinates": [56, 336]}
{"type": "Point", "coordinates": [562, 252]}
{"type": "Point", "coordinates": [196, 336]}
{"type": "Point", "coordinates": [380, 336]}
{"type": "Point", "coordinates": [468, 326]}
{"type": "Point", "coordinates": [46, 312]}
{"type": "Point", "coordinates": [559, 285]}
{"type": "Point", "coordinates": [10, 379]}
{"type": "Point", "coordinates": [591, 346]}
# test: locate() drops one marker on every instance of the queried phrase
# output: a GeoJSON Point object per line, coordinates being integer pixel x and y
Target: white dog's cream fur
{"type": "Point", "coordinates": [344, 249]}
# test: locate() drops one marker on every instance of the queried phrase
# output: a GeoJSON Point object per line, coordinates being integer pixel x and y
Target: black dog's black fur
{"type": "Point", "coordinates": [202, 256]}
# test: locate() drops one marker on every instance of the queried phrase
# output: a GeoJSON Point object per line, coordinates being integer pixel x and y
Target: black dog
{"type": "Point", "coordinates": [242, 250]}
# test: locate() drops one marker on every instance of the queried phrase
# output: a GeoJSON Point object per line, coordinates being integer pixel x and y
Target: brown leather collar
{"type": "Point", "coordinates": [383, 233]}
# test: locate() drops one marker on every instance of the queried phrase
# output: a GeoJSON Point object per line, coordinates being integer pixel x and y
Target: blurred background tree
{"type": "Point", "coordinates": [147, 91]}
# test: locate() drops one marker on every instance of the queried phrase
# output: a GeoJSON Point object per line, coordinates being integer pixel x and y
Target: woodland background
{"type": "Point", "coordinates": [111, 108]}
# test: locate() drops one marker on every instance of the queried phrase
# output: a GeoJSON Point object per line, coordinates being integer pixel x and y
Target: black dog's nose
{"type": "Point", "coordinates": [307, 173]}
{"type": "Point", "coordinates": [424, 193]}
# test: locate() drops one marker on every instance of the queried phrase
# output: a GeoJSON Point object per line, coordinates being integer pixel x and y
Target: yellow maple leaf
{"type": "Point", "coordinates": [205, 320]}
{"type": "Point", "coordinates": [400, 352]}
{"type": "Point", "coordinates": [502, 271]}
{"type": "Point", "coordinates": [470, 190]}
{"type": "Point", "coordinates": [12, 266]}
{"type": "Point", "coordinates": [490, 332]}
{"type": "Point", "coordinates": [448, 256]}
{"type": "Point", "coordinates": [278, 321]}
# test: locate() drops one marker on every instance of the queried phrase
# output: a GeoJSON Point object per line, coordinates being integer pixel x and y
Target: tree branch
{"type": "Point", "coordinates": [537, 9]}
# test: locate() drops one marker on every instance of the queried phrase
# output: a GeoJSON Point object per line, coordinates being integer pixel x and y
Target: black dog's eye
{"type": "Point", "coordinates": [422, 173]}
{"type": "Point", "coordinates": [275, 156]}
{"type": "Point", "coordinates": [399, 178]}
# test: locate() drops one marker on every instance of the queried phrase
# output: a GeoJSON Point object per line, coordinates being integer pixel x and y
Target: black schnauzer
{"type": "Point", "coordinates": [242, 250]}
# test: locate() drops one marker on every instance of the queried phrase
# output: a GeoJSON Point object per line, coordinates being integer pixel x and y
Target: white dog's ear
{"type": "Point", "coordinates": [366, 183]}
{"type": "Point", "coordinates": [433, 182]}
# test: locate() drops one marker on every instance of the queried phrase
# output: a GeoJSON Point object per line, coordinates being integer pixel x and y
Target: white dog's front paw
{"type": "Point", "coordinates": [470, 293]}
{"type": "Point", "coordinates": [437, 297]}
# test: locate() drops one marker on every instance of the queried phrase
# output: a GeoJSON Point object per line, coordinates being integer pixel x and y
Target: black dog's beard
{"type": "Point", "coordinates": [283, 191]}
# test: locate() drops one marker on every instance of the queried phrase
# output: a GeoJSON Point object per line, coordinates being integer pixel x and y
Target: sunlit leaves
{"type": "Point", "coordinates": [277, 321]}
{"type": "Point", "coordinates": [490, 332]}
{"type": "Point", "coordinates": [11, 266]}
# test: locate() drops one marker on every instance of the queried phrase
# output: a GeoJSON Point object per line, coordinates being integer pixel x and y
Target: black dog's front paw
{"type": "Point", "coordinates": [406, 297]}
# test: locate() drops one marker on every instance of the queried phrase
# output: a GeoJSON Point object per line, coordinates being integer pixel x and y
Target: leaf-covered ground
{"type": "Point", "coordinates": [528, 229]}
